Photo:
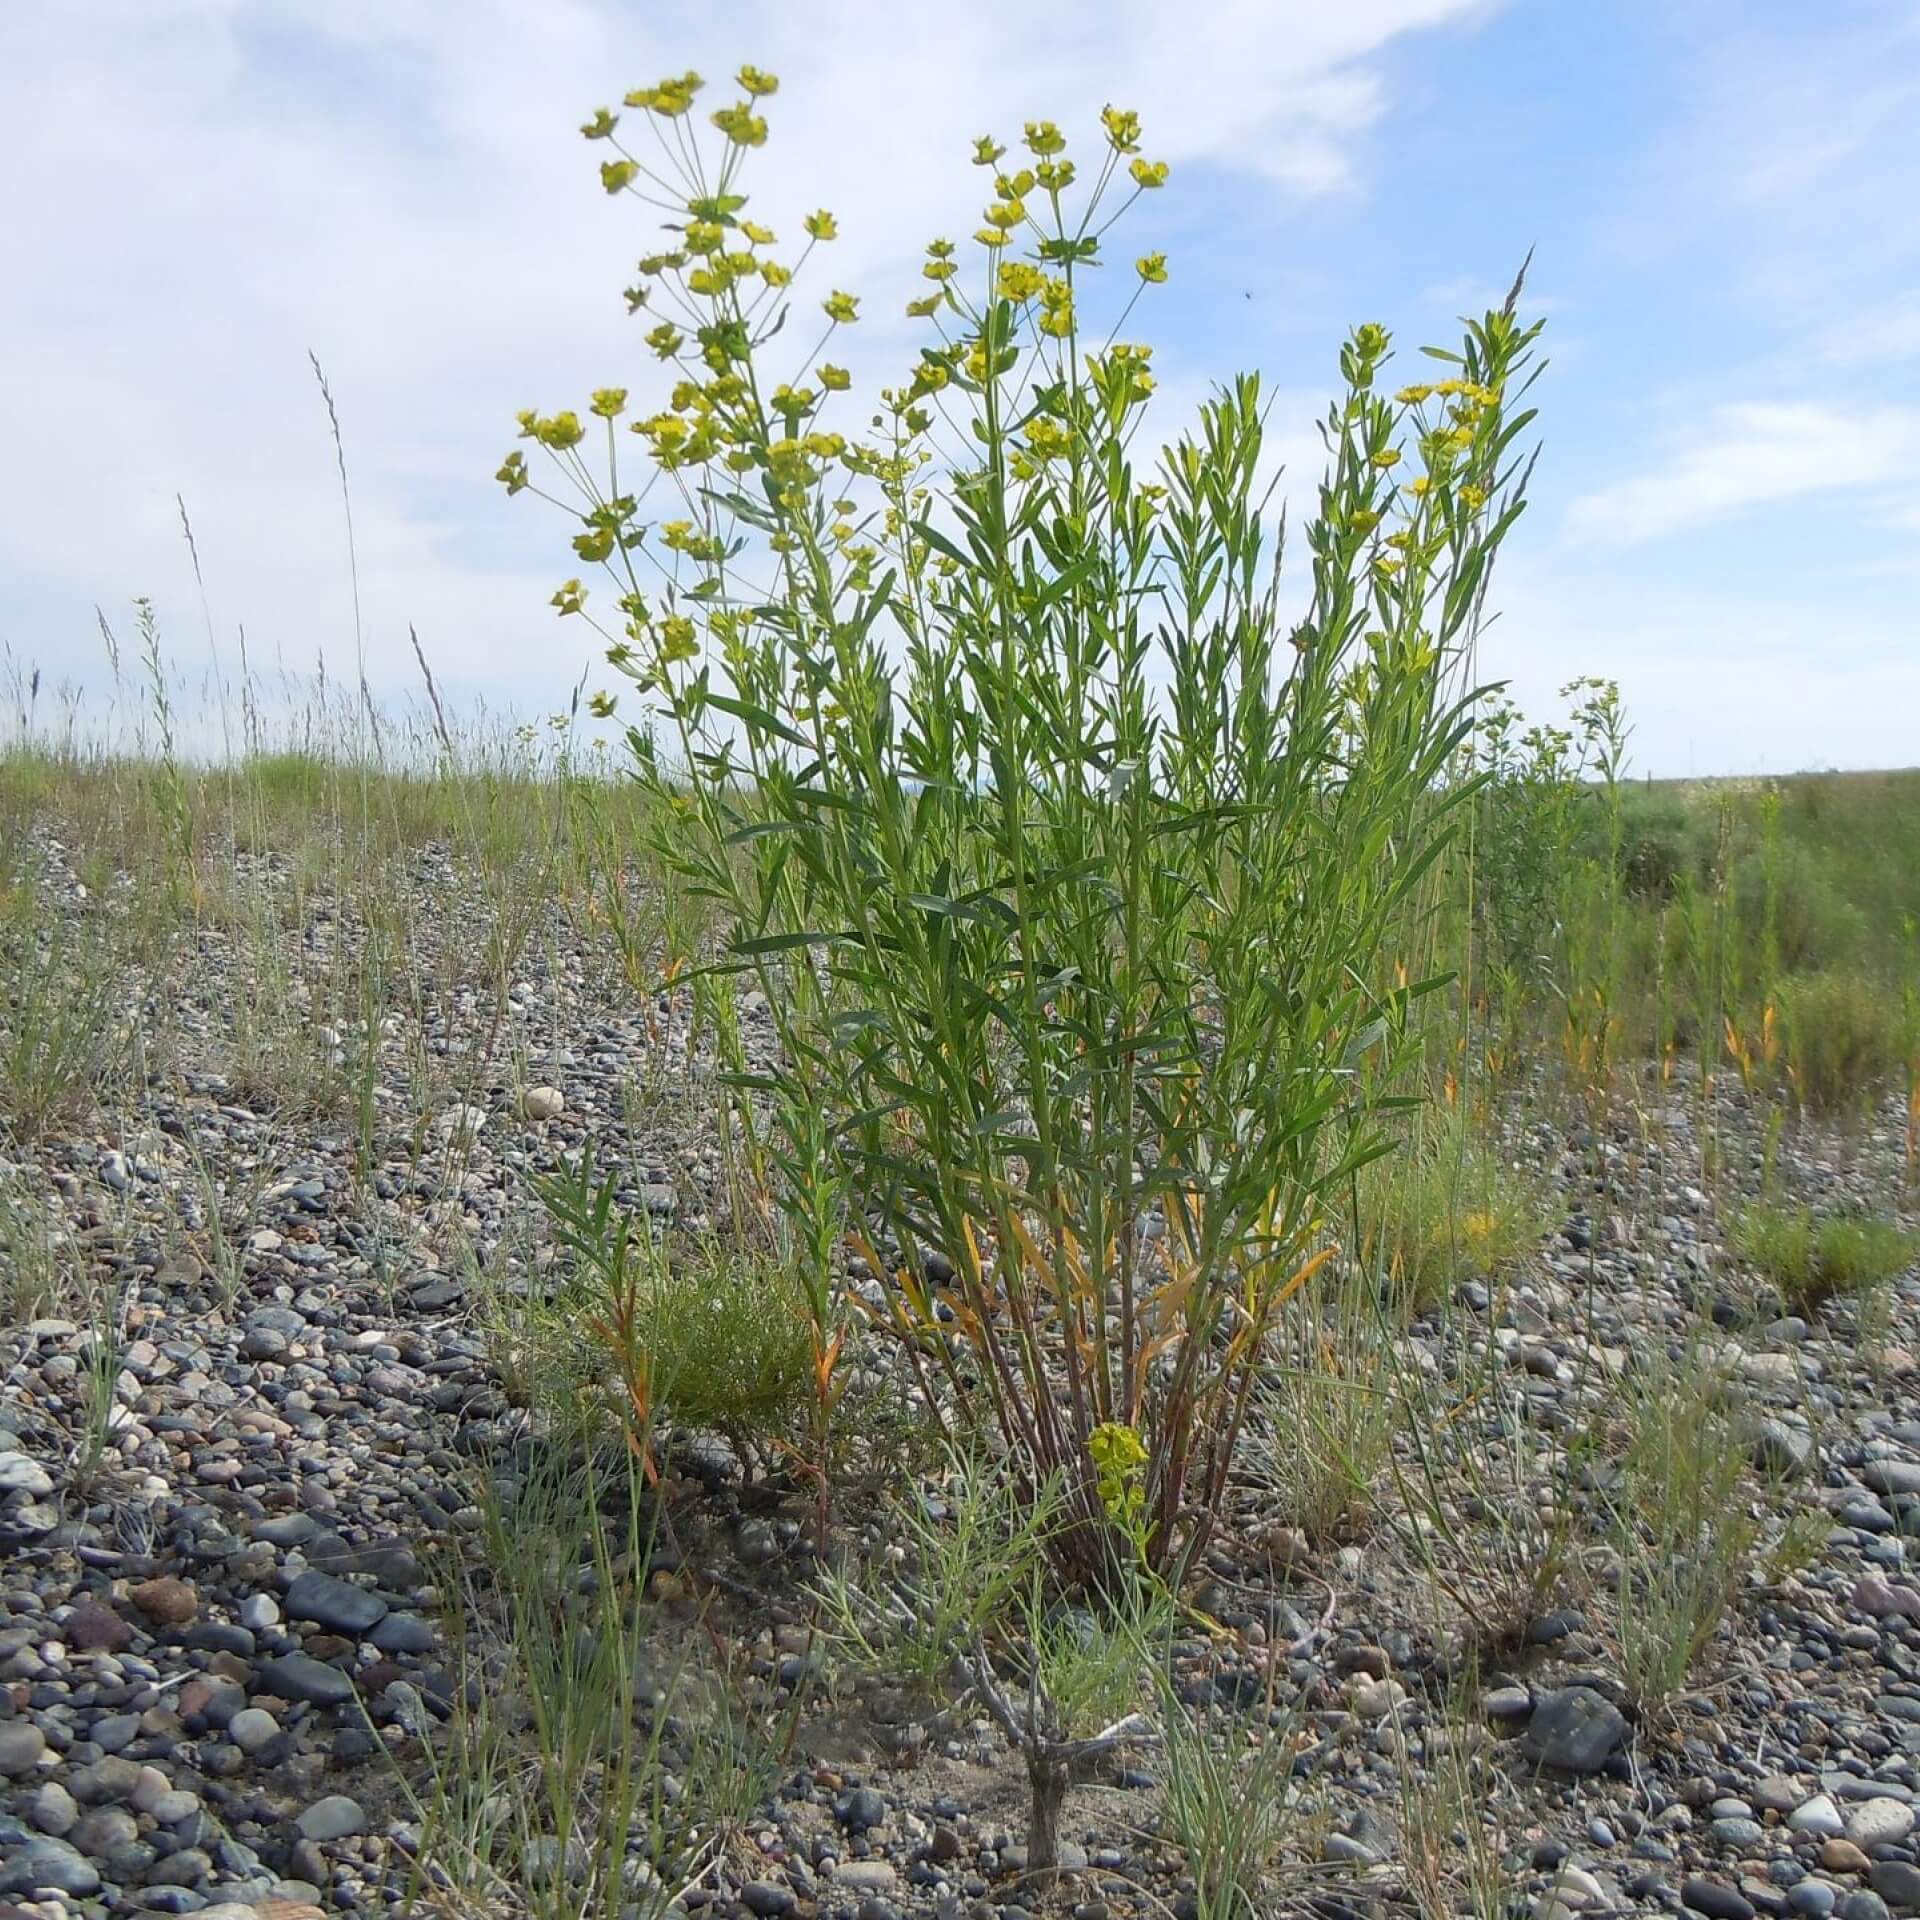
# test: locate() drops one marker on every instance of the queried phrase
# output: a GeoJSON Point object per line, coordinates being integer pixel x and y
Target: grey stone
{"type": "Point", "coordinates": [53, 1809]}
{"type": "Point", "coordinates": [1575, 1730]}
{"type": "Point", "coordinates": [21, 1745]}
{"type": "Point", "coordinates": [47, 1864]}
{"type": "Point", "coordinates": [1781, 1449]}
{"type": "Point", "coordinates": [404, 1633]}
{"type": "Point", "coordinates": [864, 1807]}
{"type": "Point", "coordinates": [1818, 1816]}
{"type": "Point", "coordinates": [1897, 1882]}
{"type": "Point", "coordinates": [1715, 1899]}
{"type": "Point", "coordinates": [105, 1830]}
{"type": "Point", "coordinates": [20, 1474]}
{"type": "Point", "coordinates": [334, 1818]}
{"type": "Point", "coordinates": [334, 1604]}
{"type": "Point", "coordinates": [298, 1676]}
{"type": "Point", "coordinates": [253, 1728]}
{"type": "Point", "coordinates": [1879, 1822]}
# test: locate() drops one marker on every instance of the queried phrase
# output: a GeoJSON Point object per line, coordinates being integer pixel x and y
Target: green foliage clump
{"type": "Point", "coordinates": [687, 1332]}
{"type": "Point", "coordinates": [1813, 1258]}
{"type": "Point", "coordinates": [1685, 1526]}
{"type": "Point", "coordinates": [1843, 1039]}
{"type": "Point", "coordinates": [1451, 1207]}
{"type": "Point", "coordinates": [65, 1009]}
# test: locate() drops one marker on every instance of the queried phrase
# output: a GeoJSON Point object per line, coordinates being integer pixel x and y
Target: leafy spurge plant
{"type": "Point", "coordinates": [1071, 867]}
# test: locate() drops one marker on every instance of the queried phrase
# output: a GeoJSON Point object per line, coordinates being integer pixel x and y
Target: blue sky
{"type": "Point", "coordinates": [1720, 198]}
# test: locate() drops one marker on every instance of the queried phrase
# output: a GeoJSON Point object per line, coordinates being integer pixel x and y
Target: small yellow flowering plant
{"type": "Point", "coordinates": [1119, 1464]}
{"type": "Point", "coordinates": [1065, 861]}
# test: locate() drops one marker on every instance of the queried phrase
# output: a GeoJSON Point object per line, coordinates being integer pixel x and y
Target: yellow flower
{"type": "Point", "coordinates": [602, 124]}
{"type": "Point", "coordinates": [1422, 487]}
{"type": "Point", "coordinates": [671, 97]}
{"type": "Point", "coordinates": [1006, 214]}
{"type": "Point", "coordinates": [991, 237]}
{"type": "Point", "coordinates": [922, 309]}
{"type": "Point", "coordinates": [677, 640]}
{"type": "Point", "coordinates": [1123, 129]}
{"type": "Point", "coordinates": [1386, 457]}
{"type": "Point", "coordinates": [667, 431]}
{"type": "Point", "coordinates": [1055, 175]}
{"type": "Point", "coordinates": [938, 270]}
{"type": "Point", "coordinates": [1049, 439]}
{"type": "Point", "coordinates": [822, 225]}
{"type": "Point", "coordinates": [602, 705]}
{"type": "Point", "coordinates": [617, 175]}
{"type": "Point", "coordinates": [513, 472]}
{"type": "Point", "coordinates": [1473, 497]}
{"type": "Point", "coordinates": [666, 339]}
{"type": "Point", "coordinates": [774, 274]}
{"type": "Point", "coordinates": [1018, 281]}
{"type": "Point", "coordinates": [1014, 186]}
{"type": "Point", "coordinates": [595, 544]}
{"type": "Point", "coordinates": [834, 379]}
{"type": "Point", "coordinates": [1152, 267]}
{"type": "Point", "coordinates": [571, 597]}
{"type": "Point", "coordinates": [1044, 138]}
{"type": "Point", "coordinates": [609, 401]}
{"type": "Point", "coordinates": [843, 308]}
{"type": "Point", "coordinates": [753, 81]}
{"type": "Point", "coordinates": [1149, 173]}
{"type": "Point", "coordinates": [985, 152]}
{"type": "Point", "coordinates": [1413, 395]}
{"type": "Point", "coordinates": [562, 431]}
{"type": "Point", "coordinates": [741, 125]}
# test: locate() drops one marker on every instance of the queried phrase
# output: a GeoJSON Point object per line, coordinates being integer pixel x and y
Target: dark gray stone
{"type": "Point", "coordinates": [1575, 1730]}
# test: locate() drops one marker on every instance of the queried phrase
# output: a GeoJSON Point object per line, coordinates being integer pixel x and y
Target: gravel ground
{"type": "Point", "coordinates": [226, 1619]}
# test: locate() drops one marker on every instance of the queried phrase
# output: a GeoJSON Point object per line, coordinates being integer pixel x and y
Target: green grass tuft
{"type": "Point", "coordinates": [1814, 1258]}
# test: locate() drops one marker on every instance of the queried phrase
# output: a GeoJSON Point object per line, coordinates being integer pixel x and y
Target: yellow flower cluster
{"type": "Point", "coordinates": [670, 98]}
{"type": "Point", "coordinates": [1469, 390]}
{"type": "Point", "coordinates": [1018, 281]}
{"type": "Point", "coordinates": [1048, 438]}
{"type": "Point", "coordinates": [1056, 308]}
{"type": "Point", "coordinates": [556, 432]}
{"type": "Point", "coordinates": [719, 264]}
{"type": "Point", "coordinates": [741, 125]}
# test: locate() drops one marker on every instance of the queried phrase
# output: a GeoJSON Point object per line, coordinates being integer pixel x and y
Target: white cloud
{"type": "Point", "coordinates": [1751, 454]}
{"type": "Point", "coordinates": [1877, 334]}
{"type": "Point", "coordinates": [1716, 679]}
{"type": "Point", "coordinates": [218, 185]}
